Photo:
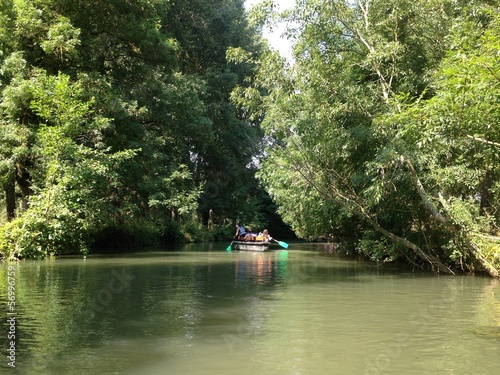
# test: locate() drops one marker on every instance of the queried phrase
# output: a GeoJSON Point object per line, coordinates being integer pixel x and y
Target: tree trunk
{"type": "Point", "coordinates": [24, 183]}
{"type": "Point", "coordinates": [492, 271]}
{"type": "Point", "coordinates": [432, 260]}
{"type": "Point", "coordinates": [423, 195]}
{"type": "Point", "coordinates": [353, 203]}
{"type": "Point", "coordinates": [486, 195]}
{"type": "Point", "coordinates": [455, 229]}
{"type": "Point", "coordinates": [10, 197]}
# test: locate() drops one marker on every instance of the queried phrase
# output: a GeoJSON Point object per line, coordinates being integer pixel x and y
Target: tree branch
{"type": "Point", "coordinates": [483, 140]}
{"type": "Point", "coordinates": [423, 195]}
{"type": "Point", "coordinates": [469, 243]}
{"type": "Point", "coordinates": [351, 201]}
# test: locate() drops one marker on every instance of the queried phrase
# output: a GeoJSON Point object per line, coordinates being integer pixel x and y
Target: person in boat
{"type": "Point", "coordinates": [240, 232]}
{"type": "Point", "coordinates": [250, 236]}
{"type": "Point", "coordinates": [264, 236]}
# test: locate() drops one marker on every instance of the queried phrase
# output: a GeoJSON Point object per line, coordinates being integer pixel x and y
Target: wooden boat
{"type": "Point", "coordinates": [251, 245]}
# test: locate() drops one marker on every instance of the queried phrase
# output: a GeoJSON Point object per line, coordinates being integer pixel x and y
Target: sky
{"type": "Point", "coordinates": [275, 40]}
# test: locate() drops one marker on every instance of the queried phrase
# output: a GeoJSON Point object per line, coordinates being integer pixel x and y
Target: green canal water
{"type": "Point", "coordinates": [201, 310]}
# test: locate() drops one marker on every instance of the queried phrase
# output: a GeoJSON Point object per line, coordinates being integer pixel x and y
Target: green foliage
{"type": "Point", "coordinates": [62, 39]}
{"type": "Point", "coordinates": [378, 248]}
{"type": "Point", "coordinates": [385, 122]}
{"type": "Point", "coordinates": [43, 231]}
{"type": "Point", "coordinates": [177, 192]}
{"type": "Point", "coordinates": [69, 200]}
{"type": "Point", "coordinates": [135, 232]}
{"type": "Point", "coordinates": [116, 123]}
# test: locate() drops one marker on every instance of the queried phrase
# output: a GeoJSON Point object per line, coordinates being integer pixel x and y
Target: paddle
{"type": "Point", "coordinates": [282, 244]}
{"type": "Point", "coordinates": [230, 246]}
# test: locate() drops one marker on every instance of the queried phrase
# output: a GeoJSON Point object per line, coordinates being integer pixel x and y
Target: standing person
{"type": "Point", "coordinates": [240, 232]}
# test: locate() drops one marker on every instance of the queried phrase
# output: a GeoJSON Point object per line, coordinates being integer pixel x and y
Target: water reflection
{"type": "Point", "coordinates": [488, 312]}
{"type": "Point", "coordinates": [262, 268]}
{"type": "Point", "coordinates": [301, 311]}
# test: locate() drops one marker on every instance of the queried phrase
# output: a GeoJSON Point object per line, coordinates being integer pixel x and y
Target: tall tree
{"type": "Point", "coordinates": [222, 153]}
{"type": "Point", "coordinates": [116, 114]}
{"type": "Point", "coordinates": [334, 119]}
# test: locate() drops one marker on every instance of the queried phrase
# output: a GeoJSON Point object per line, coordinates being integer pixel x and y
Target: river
{"type": "Point", "coordinates": [198, 309]}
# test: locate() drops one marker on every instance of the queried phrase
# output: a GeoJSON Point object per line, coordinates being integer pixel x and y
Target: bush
{"type": "Point", "coordinates": [32, 236]}
{"type": "Point", "coordinates": [57, 222]}
{"type": "Point", "coordinates": [194, 231]}
{"type": "Point", "coordinates": [131, 233]}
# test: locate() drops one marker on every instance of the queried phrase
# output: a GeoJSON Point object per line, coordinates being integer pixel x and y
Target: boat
{"type": "Point", "coordinates": [251, 245]}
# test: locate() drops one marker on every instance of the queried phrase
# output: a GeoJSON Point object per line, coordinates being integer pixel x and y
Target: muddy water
{"type": "Point", "coordinates": [202, 310]}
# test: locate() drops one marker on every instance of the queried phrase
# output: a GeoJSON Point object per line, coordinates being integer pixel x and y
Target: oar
{"type": "Point", "coordinates": [282, 244]}
{"type": "Point", "coordinates": [230, 246]}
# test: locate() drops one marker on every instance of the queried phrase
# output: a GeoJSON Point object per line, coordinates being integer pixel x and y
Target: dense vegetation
{"type": "Point", "coordinates": [132, 121]}
{"type": "Point", "coordinates": [116, 125]}
{"type": "Point", "coordinates": [386, 129]}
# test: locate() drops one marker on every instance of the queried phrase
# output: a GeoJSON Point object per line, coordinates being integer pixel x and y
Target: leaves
{"type": "Point", "coordinates": [117, 112]}
{"type": "Point", "coordinates": [385, 116]}
{"type": "Point", "coordinates": [62, 39]}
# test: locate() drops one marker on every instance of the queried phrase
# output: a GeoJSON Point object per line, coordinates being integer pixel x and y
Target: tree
{"type": "Point", "coordinates": [116, 118]}
{"type": "Point", "coordinates": [339, 137]}
{"type": "Point", "coordinates": [222, 153]}
{"type": "Point", "coordinates": [455, 130]}
{"type": "Point", "coordinates": [69, 173]}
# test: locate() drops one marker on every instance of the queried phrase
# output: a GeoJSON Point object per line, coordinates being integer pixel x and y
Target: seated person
{"type": "Point", "coordinates": [250, 236]}
{"type": "Point", "coordinates": [264, 236]}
